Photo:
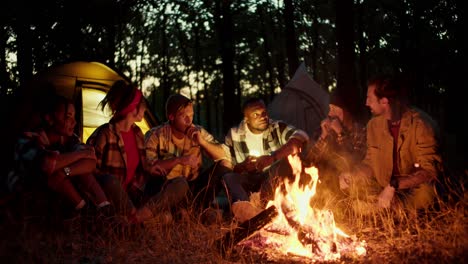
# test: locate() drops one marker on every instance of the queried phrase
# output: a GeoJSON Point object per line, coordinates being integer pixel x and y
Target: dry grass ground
{"type": "Point", "coordinates": [433, 237]}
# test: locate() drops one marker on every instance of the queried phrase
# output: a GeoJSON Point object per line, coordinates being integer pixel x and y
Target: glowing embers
{"type": "Point", "coordinates": [300, 230]}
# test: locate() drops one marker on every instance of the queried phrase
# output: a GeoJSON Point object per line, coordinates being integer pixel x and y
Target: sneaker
{"type": "Point", "coordinates": [244, 210]}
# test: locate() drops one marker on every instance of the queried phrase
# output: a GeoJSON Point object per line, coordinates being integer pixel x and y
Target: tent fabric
{"type": "Point", "coordinates": [301, 103]}
{"type": "Point", "coordinates": [85, 83]}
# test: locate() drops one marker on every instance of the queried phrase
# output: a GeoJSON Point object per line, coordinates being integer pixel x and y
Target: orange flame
{"type": "Point", "coordinates": [302, 230]}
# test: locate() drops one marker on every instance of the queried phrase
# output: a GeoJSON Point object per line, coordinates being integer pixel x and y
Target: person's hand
{"type": "Point", "coordinates": [189, 160]}
{"type": "Point", "coordinates": [386, 196]}
{"type": "Point", "coordinates": [194, 134]}
{"type": "Point", "coordinates": [87, 152]}
{"type": "Point", "coordinates": [263, 162]}
{"type": "Point", "coordinates": [344, 180]}
{"type": "Point", "coordinates": [336, 125]}
{"type": "Point", "coordinates": [325, 127]}
{"type": "Point", "coordinates": [248, 165]}
{"type": "Point", "coordinates": [157, 170]}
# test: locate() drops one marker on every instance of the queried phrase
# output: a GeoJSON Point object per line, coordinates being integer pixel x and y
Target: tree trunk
{"type": "Point", "coordinates": [457, 86]}
{"type": "Point", "coordinates": [165, 80]}
{"type": "Point", "coordinates": [267, 51]}
{"type": "Point", "coordinates": [4, 78]}
{"type": "Point", "coordinates": [225, 30]}
{"type": "Point", "coordinates": [315, 46]}
{"type": "Point", "coordinates": [23, 43]}
{"type": "Point", "coordinates": [346, 85]}
{"type": "Point", "coordinates": [291, 43]}
{"type": "Point", "coordinates": [362, 52]}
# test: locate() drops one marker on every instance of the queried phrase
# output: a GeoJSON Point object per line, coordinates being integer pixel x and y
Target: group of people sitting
{"type": "Point", "coordinates": [393, 161]}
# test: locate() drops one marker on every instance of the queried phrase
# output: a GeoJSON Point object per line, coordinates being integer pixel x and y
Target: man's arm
{"type": "Point", "coordinates": [295, 140]}
{"type": "Point", "coordinates": [214, 149]}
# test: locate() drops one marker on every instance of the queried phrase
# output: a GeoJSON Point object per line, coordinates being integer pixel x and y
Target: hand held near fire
{"type": "Point", "coordinates": [335, 124]}
{"type": "Point", "coordinates": [344, 180]}
{"type": "Point", "coordinates": [385, 197]}
{"type": "Point", "coordinates": [263, 162]}
{"type": "Point", "coordinates": [325, 126]}
{"type": "Point", "coordinates": [248, 165]}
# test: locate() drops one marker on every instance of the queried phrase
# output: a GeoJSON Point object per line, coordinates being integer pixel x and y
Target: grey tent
{"type": "Point", "coordinates": [302, 103]}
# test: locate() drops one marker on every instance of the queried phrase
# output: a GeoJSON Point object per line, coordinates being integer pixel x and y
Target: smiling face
{"type": "Point", "coordinates": [62, 121]}
{"type": "Point", "coordinates": [256, 117]}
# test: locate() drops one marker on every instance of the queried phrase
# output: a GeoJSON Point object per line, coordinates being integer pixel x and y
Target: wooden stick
{"type": "Point", "coordinates": [247, 228]}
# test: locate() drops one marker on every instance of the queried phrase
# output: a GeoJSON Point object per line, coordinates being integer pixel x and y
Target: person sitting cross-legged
{"type": "Point", "coordinates": [176, 147]}
{"type": "Point", "coordinates": [255, 145]}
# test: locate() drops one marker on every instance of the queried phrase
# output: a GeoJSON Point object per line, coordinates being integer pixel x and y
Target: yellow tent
{"type": "Point", "coordinates": [86, 83]}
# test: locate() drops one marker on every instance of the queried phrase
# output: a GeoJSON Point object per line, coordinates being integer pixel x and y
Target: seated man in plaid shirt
{"type": "Point", "coordinates": [254, 146]}
{"type": "Point", "coordinates": [176, 147]}
{"type": "Point", "coordinates": [340, 146]}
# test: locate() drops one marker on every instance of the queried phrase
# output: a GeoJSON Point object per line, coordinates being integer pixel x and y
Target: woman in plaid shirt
{"type": "Point", "coordinates": [120, 152]}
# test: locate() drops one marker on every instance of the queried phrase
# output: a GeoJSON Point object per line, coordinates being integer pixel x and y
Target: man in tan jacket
{"type": "Point", "coordinates": [402, 158]}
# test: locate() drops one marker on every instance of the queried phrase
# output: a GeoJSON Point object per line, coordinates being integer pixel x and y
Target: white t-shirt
{"type": "Point", "coordinates": [254, 143]}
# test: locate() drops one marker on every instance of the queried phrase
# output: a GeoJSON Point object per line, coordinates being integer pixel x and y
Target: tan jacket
{"type": "Point", "coordinates": [417, 144]}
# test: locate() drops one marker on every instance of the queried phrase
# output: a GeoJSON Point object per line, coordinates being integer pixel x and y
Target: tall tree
{"type": "Point", "coordinates": [346, 86]}
{"type": "Point", "coordinates": [225, 31]}
{"type": "Point", "coordinates": [22, 28]}
{"type": "Point", "coordinates": [362, 47]}
{"type": "Point", "coordinates": [290, 32]}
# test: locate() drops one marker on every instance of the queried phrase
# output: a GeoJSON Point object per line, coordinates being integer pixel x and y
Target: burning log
{"type": "Point", "coordinates": [305, 234]}
{"type": "Point", "coordinates": [247, 228]}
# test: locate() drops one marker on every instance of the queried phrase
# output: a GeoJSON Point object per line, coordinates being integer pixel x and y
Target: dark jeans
{"type": "Point", "coordinates": [200, 193]}
{"type": "Point", "coordinates": [116, 194]}
{"type": "Point", "coordinates": [240, 186]}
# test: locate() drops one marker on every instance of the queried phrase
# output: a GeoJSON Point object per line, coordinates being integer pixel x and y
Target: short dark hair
{"type": "Point", "coordinates": [52, 105]}
{"type": "Point", "coordinates": [250, 102]}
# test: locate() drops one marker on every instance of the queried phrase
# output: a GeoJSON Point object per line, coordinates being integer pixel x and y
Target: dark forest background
{"type": "Point", "coordinates": [226, 50]}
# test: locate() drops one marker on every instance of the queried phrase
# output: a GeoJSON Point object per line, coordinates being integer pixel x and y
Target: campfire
{"type": "Point", "coordinates": [299, 230]}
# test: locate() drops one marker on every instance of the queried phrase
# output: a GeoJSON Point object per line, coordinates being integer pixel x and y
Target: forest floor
{"type": "Point", "coordinates": [437, 236]}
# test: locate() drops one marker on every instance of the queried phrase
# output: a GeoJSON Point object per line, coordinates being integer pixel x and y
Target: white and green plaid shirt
{"type": "Point", "coordinates": [276, 135]}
